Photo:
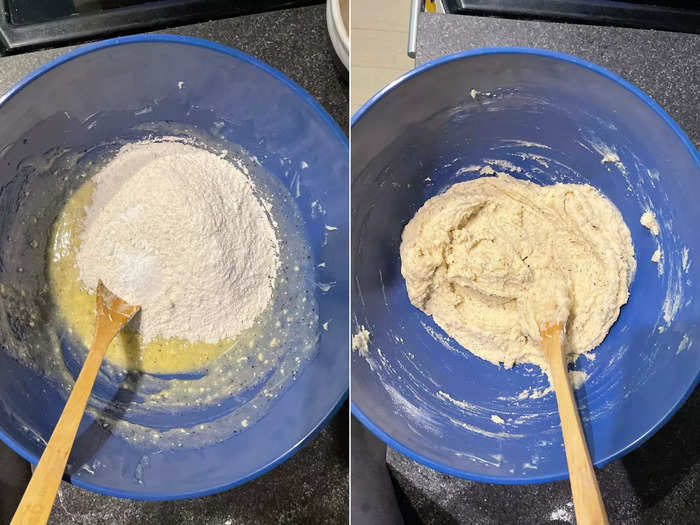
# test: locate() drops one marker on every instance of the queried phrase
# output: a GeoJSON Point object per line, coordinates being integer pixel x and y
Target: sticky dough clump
{"type": "Point", "coordinates": [495, 259]}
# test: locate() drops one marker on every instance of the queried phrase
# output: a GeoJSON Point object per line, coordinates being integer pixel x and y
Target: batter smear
{"type": "Point", "coordinates": [495, 258]}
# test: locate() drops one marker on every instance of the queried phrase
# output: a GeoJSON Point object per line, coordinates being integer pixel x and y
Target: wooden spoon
{"type": "Point", "coordinates": [112, 315]}
{"type": "Point", "coordinates": [588, 504]}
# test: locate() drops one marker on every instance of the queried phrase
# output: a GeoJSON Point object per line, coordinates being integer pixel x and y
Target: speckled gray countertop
{"type": "Point", "coordinates": [665, 65]}
{"type": "Point", "coordinates": [312, 486]}
{"type": "Point", "coordinates": [659, 483]}
{"type": "Point", "coordinates": [295, 41]}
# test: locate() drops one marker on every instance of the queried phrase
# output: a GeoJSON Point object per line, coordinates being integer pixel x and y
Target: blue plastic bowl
{"type": "Point", "coordinates": [108, 89]}
{"type": "Point", "coordinates": [553, 117]}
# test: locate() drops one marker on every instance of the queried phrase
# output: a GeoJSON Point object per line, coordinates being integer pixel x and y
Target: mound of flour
{"type": "Point", "coordinates": [179, 231]}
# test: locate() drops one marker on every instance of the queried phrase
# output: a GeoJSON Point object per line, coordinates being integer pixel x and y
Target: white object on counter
{"type": "Point", "coordinates": [338, 32]}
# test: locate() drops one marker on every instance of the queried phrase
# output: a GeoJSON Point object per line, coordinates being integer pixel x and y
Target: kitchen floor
{"type": "Point", "coordinates": [379, 42]}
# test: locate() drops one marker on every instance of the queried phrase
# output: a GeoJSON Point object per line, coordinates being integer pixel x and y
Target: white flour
{"type": "Point", "coordinates": [179, 231]}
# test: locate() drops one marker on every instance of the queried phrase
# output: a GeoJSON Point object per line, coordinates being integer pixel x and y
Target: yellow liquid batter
{"type": "Point", "coordinates": [77, 304]}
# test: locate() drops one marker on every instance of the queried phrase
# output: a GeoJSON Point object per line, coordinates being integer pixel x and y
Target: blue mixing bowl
{"type": "Point", "coordinates": [547, 117]}
{"type": "Point", "coordinates": [118, 89]}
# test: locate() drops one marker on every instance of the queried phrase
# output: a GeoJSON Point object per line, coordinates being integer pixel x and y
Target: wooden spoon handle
{"type": "Point", "coordinates": [588, 503]}
{"type": "Point", "coordinates": [36, 504]}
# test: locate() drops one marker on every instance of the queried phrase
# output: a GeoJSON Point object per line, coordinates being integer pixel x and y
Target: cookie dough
{"type": "Point", "coordinates": [648, 220]}
{"type": "Point", "coordinates": [496, 258]}
{"type": "Point", "coordinates": [360, 341]}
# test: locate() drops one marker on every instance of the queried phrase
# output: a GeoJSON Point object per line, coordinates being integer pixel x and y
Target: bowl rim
{"type": "Point", "coordinates": [319, 111]}
{"type": "Point", "coordinates": [694, 154]}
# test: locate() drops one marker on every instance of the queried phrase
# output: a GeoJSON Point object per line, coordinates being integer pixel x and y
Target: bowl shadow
{"type": "Point", "coordinates": [657, 467]}
{"type": "Point", "coordinates": [88, 443]}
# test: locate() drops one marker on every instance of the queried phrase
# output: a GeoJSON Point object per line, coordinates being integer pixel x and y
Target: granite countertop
{"type": "Point", "coordinates": [658, 482]}
{"type": "Point", "coordinates": [312, 486]}
{"type": "Point", "coordinates": [663, 64]}
{"type": "Point", "coordinates": [295, 41]}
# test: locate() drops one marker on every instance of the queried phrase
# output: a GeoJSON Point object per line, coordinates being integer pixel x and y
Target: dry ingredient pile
{"type": "Point", "coordinates": [496, 259]}
{"type": "Point", "coordinates": [178, 230]}
{"type": "Point", "coordinates": [221, 269]}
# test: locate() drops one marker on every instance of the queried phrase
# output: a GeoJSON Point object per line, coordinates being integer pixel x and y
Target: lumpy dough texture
{"type": "Point", "coordinates": [495, 259]}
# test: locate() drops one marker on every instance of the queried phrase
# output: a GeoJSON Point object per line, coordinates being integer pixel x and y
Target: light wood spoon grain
{"type": "Point", "coordinates": [112, 315]}
{"type": "Point", "coordinates": [588, 504]}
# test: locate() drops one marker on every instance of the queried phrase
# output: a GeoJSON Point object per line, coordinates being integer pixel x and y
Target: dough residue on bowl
{"type": "Point", "coordinates": [496, 258]}
{"type": "Point", "coordinates": [648, 220]}
{"type": "Point", "coordinates": [360, 341]}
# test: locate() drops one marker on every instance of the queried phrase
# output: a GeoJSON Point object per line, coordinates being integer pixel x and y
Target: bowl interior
{"type": "Point", "coordinates": [122, 90]}
{"type": "Point", "coordinates": [548, 119]}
